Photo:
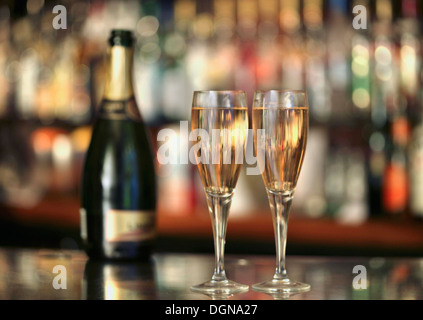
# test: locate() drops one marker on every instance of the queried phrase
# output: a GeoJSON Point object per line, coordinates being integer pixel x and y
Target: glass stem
{"type": "Point", "coordinates": [280, 205]}
{"type": "Point", "coordinates": [219, 206]}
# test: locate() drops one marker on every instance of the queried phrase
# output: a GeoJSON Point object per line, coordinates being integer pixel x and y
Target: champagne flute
{"type": "Point", "coordinates": [280, 127]}
{"type": "Point", "coordinates": [219, 120]}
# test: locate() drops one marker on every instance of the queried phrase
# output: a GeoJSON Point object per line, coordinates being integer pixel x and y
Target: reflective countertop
{"type": "Point", "coordinates": [49, 274]}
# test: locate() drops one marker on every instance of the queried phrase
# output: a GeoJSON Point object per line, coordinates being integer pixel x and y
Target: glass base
{"type": "Point", "coordinates": [281, 286]}
{"type": "Point", "coordinates": [218, 287]}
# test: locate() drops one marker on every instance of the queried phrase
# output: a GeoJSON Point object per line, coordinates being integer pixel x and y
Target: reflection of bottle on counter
{"type": "Point", "coordinates": [118, 281]}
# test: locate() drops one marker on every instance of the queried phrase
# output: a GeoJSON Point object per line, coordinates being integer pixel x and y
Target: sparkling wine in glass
{"type": "Point", "coordinates": [219, 120]}
{"type": "Point", "coordinates": [280, 127]}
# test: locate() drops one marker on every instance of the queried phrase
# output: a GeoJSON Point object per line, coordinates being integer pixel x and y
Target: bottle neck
{"type": "Point", "coordinates": [119, 74]}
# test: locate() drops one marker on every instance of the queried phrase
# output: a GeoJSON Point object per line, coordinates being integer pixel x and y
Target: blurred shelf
{"type": "Point", "coordinates": [383, 233]}
{"type": "Point", "coordinates": [374, 233]}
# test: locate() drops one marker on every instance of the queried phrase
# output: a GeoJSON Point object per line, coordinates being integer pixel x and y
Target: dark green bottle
{"type": "Point", "coordinates": [118, 198]}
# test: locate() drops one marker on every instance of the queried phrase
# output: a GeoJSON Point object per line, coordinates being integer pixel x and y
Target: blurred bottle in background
{"type": "Point", "coordinates": [365, 82]}
{"type": "Point", "coordinates": [384, 96]}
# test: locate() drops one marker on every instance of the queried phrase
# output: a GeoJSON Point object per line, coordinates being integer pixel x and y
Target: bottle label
{"type": "Point", "coordinates": [120, 110]}
{"type": "Point", "coordinates": [125, 225]}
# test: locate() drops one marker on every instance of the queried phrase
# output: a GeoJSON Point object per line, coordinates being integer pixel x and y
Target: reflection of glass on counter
{"type": "Point", "coordinates": [176, 273]}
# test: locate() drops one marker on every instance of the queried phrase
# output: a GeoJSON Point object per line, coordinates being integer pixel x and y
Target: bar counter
{"type": "Point", "coordinates": [40, 274]}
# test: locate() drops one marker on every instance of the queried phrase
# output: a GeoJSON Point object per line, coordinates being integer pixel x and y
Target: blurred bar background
{"type": "Point", "coordinates": [361, 186]}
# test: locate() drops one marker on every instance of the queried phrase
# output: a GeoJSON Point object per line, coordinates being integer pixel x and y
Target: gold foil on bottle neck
{"type": "Point", "coordinates": [119, 73]}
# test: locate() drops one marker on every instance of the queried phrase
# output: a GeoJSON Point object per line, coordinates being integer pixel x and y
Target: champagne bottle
{"type": "Point", "coordinates": [118, 196]}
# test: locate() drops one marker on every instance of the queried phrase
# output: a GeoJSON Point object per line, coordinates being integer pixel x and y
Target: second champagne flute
{"type": "Point", "coordinates": [280, 127]}
{"type": "Point", "coordinates": [219, 120]}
